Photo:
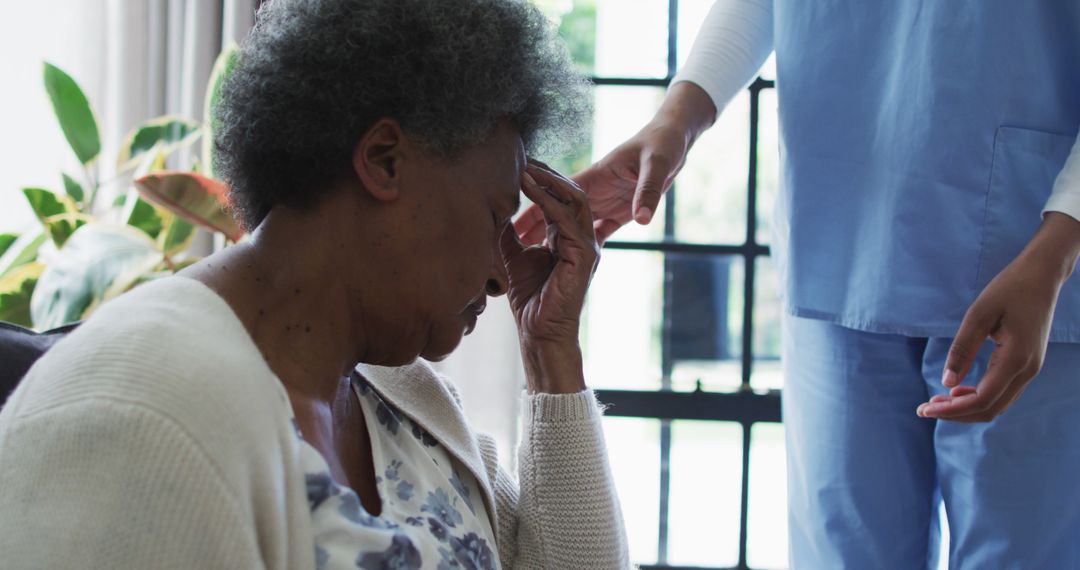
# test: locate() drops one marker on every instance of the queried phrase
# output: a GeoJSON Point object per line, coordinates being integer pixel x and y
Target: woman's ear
{"type": "Point", "coordinates": [377, 158]}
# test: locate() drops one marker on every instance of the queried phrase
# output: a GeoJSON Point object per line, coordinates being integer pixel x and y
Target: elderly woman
{"type": "Point", "coordinates": [267, 408]}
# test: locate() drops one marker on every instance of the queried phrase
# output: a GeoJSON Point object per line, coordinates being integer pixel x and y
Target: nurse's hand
{"type": "Point", "coordinates": [627, 183]}
{"type": "Point", "coordinates": [1015, 311]}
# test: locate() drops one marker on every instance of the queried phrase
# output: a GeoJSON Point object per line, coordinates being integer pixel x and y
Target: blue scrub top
{"type": "Point", "coordinates": [919, 142]}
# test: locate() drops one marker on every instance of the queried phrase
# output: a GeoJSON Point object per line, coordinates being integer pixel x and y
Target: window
{"type": "Point", "coordinates": [66, 34]}
{"type": "Point", "coordinates": [682, 328]}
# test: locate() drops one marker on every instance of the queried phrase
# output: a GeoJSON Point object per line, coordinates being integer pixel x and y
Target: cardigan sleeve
{"type": "Point", "coordinates": [562, 512]}
{"type": "Point", "coordinates": [103, 483]}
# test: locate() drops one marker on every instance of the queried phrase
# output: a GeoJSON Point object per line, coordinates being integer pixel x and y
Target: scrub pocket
{"type": "Point", "coordinates": [1026, 163]}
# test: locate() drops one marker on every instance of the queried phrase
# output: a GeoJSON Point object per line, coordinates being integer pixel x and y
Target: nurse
{"type": "Point", "coordinates": [926, 231]}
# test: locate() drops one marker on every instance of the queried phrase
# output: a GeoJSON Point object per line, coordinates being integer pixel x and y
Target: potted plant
{"type": "Point", "coordinates": [80, 254]}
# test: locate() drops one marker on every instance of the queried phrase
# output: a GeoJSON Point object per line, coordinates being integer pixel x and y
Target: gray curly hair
{"type": "Point", "coordinates": [314, 75]}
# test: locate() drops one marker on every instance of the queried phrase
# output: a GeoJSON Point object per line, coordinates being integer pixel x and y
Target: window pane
{"type": "Point", "coordinates": [768, 71]}
{"type": "Point", "coordinates": [710, 202]}
{"type": "Point", "coordinates": [613, 38]}
{"type": "Point", "coordinates": [767, 321]}
{"type": "Point", "coordinates": [767, 537]}
{"type": "Point", "coordinates": [706, 312]}
{"type": "Point", "coordinates": [620, 335]}
{"type": "Point", "coordinates": [634, 451]}
{"type": "Point", "coordinates": [768, 163]}
{"type": "Point", "coordinates": [619, 113]}
{"type": "Point", "coordinates": [691, 15]}
{"type": "Point", "coordinates": [71, 36]}
{"type": "Point", "coordinates": [706, 476]}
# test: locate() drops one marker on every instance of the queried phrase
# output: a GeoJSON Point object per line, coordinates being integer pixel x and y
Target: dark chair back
{"type": "Point", "coordinates": [19, 349]}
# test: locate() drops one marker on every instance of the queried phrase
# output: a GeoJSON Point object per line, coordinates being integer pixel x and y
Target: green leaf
{"type": "Point", "coordinates": [45, 203]}
{"type": "Point", "coordinates": [223, 67]}
{"type": "Point", "coordinates": [16, 290]}
{"type": "Point", "coordinates": [196, 198]}
{"type": "Point", "coordinates": [73, 188]}
{"type": "Point", "coordinates": [6, 240]}
{"type": "Point", "coordinates": [176, 236]}
{"type": "Point", "coordinates": [139, 213]}
{"type": "Point", "coordinates": [22, 251]}
{"type": "Point", "coordinates": [58, 214]}
{"type": "Point", "coordinates": [74, 113]}
{"type": "Point", "coordinates": [61, 226]}
{"type": "Point", "coordinates": [84, 269]}
{"type": "Point", "coordinates": [166, 133]}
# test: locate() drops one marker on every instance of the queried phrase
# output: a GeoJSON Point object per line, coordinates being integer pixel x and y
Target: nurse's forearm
{"type": "Point", "coordinates": [1065, 197]}
{"type": "Point", "coordinates": [1056, 245]}
{"type": "Point", "coordinates": [687, 110]}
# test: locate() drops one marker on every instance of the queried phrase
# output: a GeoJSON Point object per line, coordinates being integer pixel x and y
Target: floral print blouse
{"type": "Point", "coordinates": [433, 514]}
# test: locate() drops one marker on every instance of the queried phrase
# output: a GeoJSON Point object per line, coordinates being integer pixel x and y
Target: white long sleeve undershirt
{"type": "Point", "coordinates": [736, 39]}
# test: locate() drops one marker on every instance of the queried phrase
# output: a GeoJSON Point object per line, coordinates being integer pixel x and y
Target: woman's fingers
{"type": "Point", "coordinates": [569, 230]}
{"type": "Point", "coordinates": [509, 244]}
{"type": "Point", "coordinates": [565, 191]}
{"type": "Point", "coordinates": [553, 210]}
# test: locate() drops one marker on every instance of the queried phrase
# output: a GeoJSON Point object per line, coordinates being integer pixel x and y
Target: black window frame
{"type": "Point", "coordinates": [744, 406]}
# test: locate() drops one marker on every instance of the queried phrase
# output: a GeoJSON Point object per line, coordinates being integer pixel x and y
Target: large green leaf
{"type": "Point", "coordinates": [164, 133]}
{"type": "Point", "coordinates": [6, 240]}
{"type": "Point", "coordinates": [84, 269]}
{"type": "Point", "coordinates": [58, 214]}
{"type": "Point", "coordinates": [139, 213]}
{"type": "Point", "coordinates": [176, 236]}
{"type": "Point", "coordinates": [73, 189]}
{"type": "Point", "coordinates": [74, 114]}
{"type": "Point", "coordinates": [16, 289]}
{"type": "Point", "coordinates": [223, 67]}
{"type": "Point", "coordinates": [23, 250]}
{"type": "Point", "coordinates": [194, 197]}
{"type": "Point", "coordinates": [45, 203]}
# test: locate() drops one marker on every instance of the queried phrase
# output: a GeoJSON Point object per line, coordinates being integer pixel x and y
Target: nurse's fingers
{"type": "Point", "coordinates": [1011, 394]}
{"type": "Point", "coordinates": [653, 171]}
{"type": "Point", "coordinates": [957, 391]}
{"type": "Point", "coordinates": [604, 228]}
{"type": "Point", "coordinates": [530, 225]}
{"type": "Point", "coordinates": [1006, 374]}
{"type": "Point", "coordinates": [976, 327]}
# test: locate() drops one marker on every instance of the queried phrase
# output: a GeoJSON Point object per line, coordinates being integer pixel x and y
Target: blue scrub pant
{"type": "Point", "coordinates": [865, 474]}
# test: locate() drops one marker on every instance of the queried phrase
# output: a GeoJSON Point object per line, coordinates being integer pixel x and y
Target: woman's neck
{"type": "Point", "coordinates": [295, 305]}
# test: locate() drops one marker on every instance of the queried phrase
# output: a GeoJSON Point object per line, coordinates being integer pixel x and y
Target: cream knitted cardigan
{"type": "Point", "coordinates": [156, 436]}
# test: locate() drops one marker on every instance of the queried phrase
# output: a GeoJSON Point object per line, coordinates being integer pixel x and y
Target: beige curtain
{"type": "Point", "coordinates": [158, 57]}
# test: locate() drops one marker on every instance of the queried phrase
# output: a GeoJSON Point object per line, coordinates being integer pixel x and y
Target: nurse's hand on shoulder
{"type": "Point", "coordinates": [627, 183]}
{"type": "Point", "coordinates": [1015, 311]}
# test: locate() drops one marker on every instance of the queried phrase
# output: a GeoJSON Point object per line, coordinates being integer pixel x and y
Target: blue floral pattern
{"type": "Point", "coordinates": [428, 518]}
{"type": "Point", "coordinates": [400, 555]}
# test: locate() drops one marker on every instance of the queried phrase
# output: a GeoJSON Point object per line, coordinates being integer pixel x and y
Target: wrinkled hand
{"type": "Point", "coordinates": [1015, 311]}
{"type": "Point", "coordinates": [548, 282]}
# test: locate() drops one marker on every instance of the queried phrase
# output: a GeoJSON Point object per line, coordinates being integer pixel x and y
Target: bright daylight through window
{"type": "Point", "coordinates": [683, 319]}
